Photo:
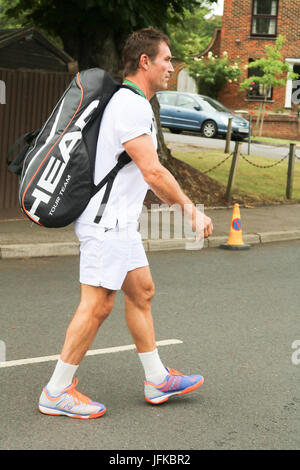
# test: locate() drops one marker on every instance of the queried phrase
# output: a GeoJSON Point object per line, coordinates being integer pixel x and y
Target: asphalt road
{"type": "Point", "coordinates": [260, 150]}
{"type": "Point", "coordinates": [237, 315]}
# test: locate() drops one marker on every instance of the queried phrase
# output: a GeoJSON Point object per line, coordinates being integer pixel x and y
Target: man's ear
{"type": "Point", "coordinates": [144, 61]}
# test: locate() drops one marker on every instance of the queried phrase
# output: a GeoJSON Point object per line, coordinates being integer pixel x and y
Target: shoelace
{"type": "Point", "coordinates": [78, 397]}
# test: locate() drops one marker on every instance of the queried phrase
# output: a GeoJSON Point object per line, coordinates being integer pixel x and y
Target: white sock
{"type": "Point", "coordinates": [61, 378]}
{"type": "Point", "coordinates": [154, 369]}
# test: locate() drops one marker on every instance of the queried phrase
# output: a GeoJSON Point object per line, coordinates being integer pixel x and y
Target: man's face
{"type": "Point", "coordinates": [160, 68]}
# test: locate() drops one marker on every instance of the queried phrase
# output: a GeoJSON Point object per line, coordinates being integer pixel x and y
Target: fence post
{"type": "Point", "coordinates": [250, 132]}
{"type": "Point", "coordinates": [234, 163]}
{"type": "Point", "coordinates": [290, 172]}
{"type": "Point", "coordinates": [228, 136]}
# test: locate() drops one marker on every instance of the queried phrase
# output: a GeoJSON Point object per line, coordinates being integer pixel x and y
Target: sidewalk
{"type": "Point", "coordinates": [19, 238]}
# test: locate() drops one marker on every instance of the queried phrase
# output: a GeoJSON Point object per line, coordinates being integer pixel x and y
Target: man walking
{"type": "Point", "coordinates": [112, 255]}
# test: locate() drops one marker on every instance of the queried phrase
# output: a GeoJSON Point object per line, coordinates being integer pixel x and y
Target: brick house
{"type": "Point", "coordinates": [247, 27]}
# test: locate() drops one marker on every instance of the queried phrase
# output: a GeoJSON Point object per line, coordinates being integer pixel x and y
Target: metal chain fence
{"type": "Point", "coordinates": [264, 166]}
{"type": "Point", "coordinates": [237, 153]}
{"type": "Point", "coordinates": [219, 164]}
{"type": "Point", "coordinates": [248, 161]}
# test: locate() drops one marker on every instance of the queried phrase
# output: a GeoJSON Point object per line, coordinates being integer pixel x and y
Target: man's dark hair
{"type": "Point", "coordinates": [144, 41]}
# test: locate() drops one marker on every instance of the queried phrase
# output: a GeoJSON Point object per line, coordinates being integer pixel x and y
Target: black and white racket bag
{"type": "Point", "coordinates": [57, 163]}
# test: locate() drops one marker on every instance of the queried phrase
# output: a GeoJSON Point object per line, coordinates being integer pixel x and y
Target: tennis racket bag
{"type": "Point", "coordinates": [57, 163]}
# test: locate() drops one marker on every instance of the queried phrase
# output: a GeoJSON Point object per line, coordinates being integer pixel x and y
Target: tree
{"type": "Point", "coordinates": [211, 73]}
{"type": "Point", "coordinates": [9, 22]}
{"type": "Point", "coordinates": [6, 23]}
{"type": "Point", "coordinates": [89, 28]}
{"type": "Point", "coordinates": [94, 31]}
{"type": "Point", "coordinates": [273, 72]}
{"type": "Point", "coordinates": [191, 32]}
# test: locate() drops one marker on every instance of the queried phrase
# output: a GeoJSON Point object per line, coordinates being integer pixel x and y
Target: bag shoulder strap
{"type": "Point", "coordinates": [123, 159]}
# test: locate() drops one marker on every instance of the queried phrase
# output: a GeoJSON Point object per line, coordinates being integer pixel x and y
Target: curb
{"type": "Point", "coordinates": [272, 144]}
{"type": "Point", "coordinates": [37, 250]}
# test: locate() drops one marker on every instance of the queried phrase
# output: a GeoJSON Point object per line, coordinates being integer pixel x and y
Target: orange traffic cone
{"type": "Point", "coordinates": [235, 240]}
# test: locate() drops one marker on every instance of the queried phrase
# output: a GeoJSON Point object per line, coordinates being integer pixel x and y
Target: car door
{"type": "Point", "coordinates": [188, 112]}
{"type": "Point", "coordinates": [167, 102]}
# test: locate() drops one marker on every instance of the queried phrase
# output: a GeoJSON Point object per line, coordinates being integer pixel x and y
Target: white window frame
{"type": "Point", "coordinates": [289, 83]}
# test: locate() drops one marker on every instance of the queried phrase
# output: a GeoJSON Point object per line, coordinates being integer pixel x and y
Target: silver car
{"type": "Point", "coordinates": [182, 111]}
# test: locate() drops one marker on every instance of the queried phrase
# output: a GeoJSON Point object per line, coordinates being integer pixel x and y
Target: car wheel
{"type": "Point", "coordinates": [209, 129]}
{"type": "Point", "coordinates": [175, 131]}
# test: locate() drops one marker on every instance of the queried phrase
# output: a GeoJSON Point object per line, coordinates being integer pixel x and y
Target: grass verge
{"type": "Point", "coordinates": [264, 184]}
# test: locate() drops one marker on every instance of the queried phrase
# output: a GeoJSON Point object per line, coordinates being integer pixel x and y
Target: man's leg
{"type": "Point", "coordinates": [95, 305]}
{"type": "Point", "coordinates": [160, 383]}
{"type": "Point", "coordinates": [139, 290]}
{"type": "Point", "coordinates": [60, 396]}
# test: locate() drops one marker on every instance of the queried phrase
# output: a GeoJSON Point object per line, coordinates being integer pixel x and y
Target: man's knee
{"type": "Point", "coordinates": [98, 307]}
{"type": "Point", "coordinates": [144, 295]}
{"type": "Point", "coordinates": [149, 292]}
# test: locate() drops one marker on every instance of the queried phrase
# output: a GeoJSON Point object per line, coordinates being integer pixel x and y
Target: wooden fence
{"type": "Point", "coordinates": [27, 98]}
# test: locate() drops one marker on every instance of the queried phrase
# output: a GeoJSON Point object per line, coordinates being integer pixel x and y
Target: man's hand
{"type": "Point", "coordinates": [208, 226]}
{"type": "Point", "coordinates": [202, 224]}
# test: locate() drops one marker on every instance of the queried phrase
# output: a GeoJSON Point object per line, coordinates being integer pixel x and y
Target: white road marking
{"type": "Point", "coordinates": [92, 352]}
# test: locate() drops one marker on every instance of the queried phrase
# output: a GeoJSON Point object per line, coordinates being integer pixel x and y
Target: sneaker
{"type": "Point", "coordinates": [70, 403]}
{"type": "Point", "coordinates": [174, 384]}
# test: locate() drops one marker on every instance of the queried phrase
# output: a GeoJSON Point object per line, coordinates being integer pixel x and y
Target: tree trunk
{"type": "Point", "coordinates": [263, 116]}
{"type": "Point", "coordinates": [164, 153]}
{"type": "Point", "coordinates": [93, 51]}
{"type": "Point", "coordinates": [258, 120]}
{"type": "Point", "coordinates": [262, 121]}
{"type": "Point", "coordinates": [107, 57]}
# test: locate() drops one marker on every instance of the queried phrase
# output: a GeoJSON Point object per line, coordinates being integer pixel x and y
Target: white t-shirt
{"type": "Point", "coordinates": [126, 117]}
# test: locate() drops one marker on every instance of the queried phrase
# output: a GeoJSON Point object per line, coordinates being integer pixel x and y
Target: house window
{"type": "Point", "coordinates": [257, 90]}
{"type": "Point", "coordinates": [264, 18]}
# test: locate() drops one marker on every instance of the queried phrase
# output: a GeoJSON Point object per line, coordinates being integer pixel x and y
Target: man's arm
{"type": "Point", "coordinates": [163, 183]}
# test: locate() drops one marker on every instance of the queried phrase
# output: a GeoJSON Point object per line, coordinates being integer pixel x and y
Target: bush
{"type": "Point", "coordinates": [211, 73]}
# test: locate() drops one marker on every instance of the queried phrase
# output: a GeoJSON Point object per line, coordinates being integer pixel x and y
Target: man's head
{"type": "Point", "coordinates": [147, 52]}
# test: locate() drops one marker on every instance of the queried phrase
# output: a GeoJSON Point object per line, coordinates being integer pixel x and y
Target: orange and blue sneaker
{"type": "Point", "coordinates": [174, 384]}
{"type": "Point", "coordinates": [70, 403]}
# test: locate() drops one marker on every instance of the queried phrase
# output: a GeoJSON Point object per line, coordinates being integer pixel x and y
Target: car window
{"type": "Point", "coordinates": [185, 101]}
{"type": "Point", "coordinates": [167, 98]}
{"type": "Point", "coordinates": [212, 105]}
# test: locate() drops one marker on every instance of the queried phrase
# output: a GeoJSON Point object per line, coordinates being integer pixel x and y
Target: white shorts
{"type": "Point", "coordinates": [106, 256]}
